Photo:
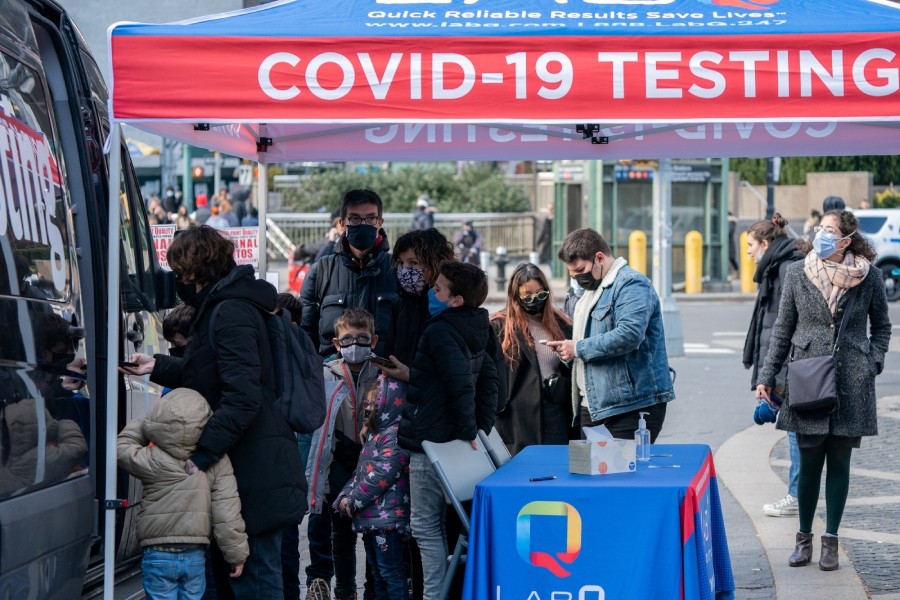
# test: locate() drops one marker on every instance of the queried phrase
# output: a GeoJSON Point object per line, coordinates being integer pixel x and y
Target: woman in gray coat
{"type": "Point", "coordinates": [813, 300]}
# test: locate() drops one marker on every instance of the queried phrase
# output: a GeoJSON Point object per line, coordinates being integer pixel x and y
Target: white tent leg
{"type": "Point", "coordinates": [262, 206]}
{"type": "Point", "coordinates": [112, 359]}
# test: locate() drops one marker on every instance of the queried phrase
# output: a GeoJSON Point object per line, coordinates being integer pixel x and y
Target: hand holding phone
{"type": "Point", "coordinates": [127, 364]}
{"type": "Point", "coordinates": [381, 362]}
{"type": "Point", "coordinates": [545, 342]}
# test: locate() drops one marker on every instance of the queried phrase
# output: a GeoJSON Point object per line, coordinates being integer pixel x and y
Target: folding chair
{"type": "Point", "coordinates": [460, 469]}
{"type": "Point", "coordinates": [496, 448]}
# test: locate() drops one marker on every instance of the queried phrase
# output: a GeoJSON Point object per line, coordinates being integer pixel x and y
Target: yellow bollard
{"type": "Point", "coordinates": [748, 268]}
{"type": "Point", "coordinates": [637, 251]}
{"type": "Point", "coordinates": [693, 262]}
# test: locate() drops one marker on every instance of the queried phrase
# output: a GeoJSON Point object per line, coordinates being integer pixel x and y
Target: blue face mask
{"type": "Point", "coordinates": [825, 243]}
{"type": "Point", "coordinates": [435, 306]}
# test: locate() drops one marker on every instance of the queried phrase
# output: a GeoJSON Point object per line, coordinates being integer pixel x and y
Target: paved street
{"type": "Point", "coordinates": [714, 406]}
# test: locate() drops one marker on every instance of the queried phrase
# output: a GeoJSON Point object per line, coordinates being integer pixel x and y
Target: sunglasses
{"type": "Point", "coordinates": [532, 298]}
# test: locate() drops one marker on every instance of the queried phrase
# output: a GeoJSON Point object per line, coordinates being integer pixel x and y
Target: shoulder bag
{"type": "Point", "coordinates": [812, 384]}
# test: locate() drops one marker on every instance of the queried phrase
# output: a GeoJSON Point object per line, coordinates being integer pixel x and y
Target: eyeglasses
{"type": "Point", "coordinates": [357, 220]}
{"type": "Point", "coordinates": [532, 298]}
{"type": "Point", "coordinates": [827, 228]}
{"type": "Point", "coordinates": [349, 340]}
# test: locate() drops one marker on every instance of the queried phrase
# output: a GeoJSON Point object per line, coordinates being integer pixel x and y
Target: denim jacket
{"type": "Point", "coordinates": [624, 349]}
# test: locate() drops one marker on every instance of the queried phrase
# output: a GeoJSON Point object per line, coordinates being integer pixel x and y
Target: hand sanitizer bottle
{"type": "Point", "coordinates": [642, 439]}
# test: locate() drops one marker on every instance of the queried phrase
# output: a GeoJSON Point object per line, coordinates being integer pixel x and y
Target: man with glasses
{"type": "Point", "coordinates": [618, 350]}
{"type": "Point", "coordinates": [358, 274]}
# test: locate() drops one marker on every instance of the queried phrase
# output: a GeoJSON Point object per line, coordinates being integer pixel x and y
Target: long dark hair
{"type": "Point", "coordinates": [515, 318]}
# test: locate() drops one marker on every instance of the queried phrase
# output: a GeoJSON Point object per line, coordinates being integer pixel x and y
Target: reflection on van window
{"type": "Point", "coordinates": [34, 248]}
{"type": "Point", "coordinates": [870, 225]}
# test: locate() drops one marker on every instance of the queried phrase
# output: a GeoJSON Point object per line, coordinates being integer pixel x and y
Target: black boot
{"type": "Point", "coordinates": [828, 561]}
{"type": "Point", "coordinates": [802, 551]}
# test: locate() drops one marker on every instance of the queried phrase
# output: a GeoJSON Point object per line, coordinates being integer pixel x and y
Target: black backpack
{"type": "Point", "coordinates": [300, 385]}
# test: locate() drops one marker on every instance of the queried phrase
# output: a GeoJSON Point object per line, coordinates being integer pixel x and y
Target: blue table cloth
{"type": "Point", "coordinates": [656, 533]}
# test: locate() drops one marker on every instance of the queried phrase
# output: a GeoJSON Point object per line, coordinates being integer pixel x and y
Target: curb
{"type": "Point", "coordinates": [743, 465]}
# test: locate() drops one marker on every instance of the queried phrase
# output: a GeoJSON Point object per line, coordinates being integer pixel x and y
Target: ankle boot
{"type": "Point", "coordinates": [802, 551]}
{"type": "Point", "coordinates": [828, 561]}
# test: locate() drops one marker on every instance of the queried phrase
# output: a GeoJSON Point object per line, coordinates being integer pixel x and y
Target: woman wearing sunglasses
{"type": "Point", "coordinates": [539, 410]}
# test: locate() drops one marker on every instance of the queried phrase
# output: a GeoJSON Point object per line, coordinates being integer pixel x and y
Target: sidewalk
{"type": "Point", "coordinates": [870, 530]}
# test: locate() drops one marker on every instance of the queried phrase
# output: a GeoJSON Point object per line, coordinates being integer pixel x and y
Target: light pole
{"type": "Point", "coordinates": [662, 257]}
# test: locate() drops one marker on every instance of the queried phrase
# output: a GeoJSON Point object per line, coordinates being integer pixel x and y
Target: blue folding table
{"type": "Point", "coordinates": [656, 533]}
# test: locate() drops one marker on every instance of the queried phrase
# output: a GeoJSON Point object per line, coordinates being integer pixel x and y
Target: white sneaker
{"type": "Point", "coordinates": [318, 590]}
{"type": "Point", "coordinates": [786, 507]}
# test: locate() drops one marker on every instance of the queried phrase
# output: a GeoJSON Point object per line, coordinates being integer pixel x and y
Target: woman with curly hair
{"type": "Point", "coordinates": [539, 409]}
{"type": "Point", "coordinates": [837, 276]}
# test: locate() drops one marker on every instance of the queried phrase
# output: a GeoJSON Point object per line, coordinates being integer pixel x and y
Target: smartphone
{"type": "Point", "coordinates": [545, 342]}
{"type": "Point", "coordinates": [128, 364]}
{"type": "Point", "coordinates": [379, 361]}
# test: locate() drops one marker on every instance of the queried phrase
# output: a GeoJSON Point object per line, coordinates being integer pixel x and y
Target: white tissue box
{"type": "Point", "coordinates": [601, 454]}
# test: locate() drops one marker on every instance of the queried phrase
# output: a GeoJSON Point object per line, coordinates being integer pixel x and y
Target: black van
{"type": "Point", "coordinates": [53, 307]}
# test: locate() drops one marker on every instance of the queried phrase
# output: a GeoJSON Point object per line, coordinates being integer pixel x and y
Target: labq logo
{"type": "Point", "coordinates": [528, 539]}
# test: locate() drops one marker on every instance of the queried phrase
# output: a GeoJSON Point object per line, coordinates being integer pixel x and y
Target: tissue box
{"type": "Point", "coordinates": [601, 454]}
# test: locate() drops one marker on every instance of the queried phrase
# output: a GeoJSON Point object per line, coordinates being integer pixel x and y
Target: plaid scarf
{"type": "Point", "coordinates": [834, 279]}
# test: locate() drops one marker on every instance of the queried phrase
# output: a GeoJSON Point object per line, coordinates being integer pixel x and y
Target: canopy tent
{"type": "Point", "coordinates": [507, 79]}
{"type": "Point", "coordinates": [511, 79]}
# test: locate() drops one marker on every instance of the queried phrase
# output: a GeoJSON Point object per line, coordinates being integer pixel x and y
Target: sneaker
{"type": "Point", "coordinates": [318, 590]}
{"type": "Point", "coordinates": [786, 507]}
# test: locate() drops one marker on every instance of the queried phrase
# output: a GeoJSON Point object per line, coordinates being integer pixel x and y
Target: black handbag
{"type": "Point", "coordinates": [812, 384]}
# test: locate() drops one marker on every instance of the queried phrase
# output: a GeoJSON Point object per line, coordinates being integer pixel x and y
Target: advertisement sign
{"type": "Point", "coordinates": [245, 240]}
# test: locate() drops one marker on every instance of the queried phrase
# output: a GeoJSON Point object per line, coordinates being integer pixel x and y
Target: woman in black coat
{"type": "Point", "coordinates": [539, 407]}
{"type": "Point", "coordinates": [814, 301]}
{"type": "Point", "coordinates": [772, 251]}
{"type": "Point", "coordinates": [229, 362]}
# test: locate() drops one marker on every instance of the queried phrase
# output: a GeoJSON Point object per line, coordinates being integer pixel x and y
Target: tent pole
{"type": "Point", "coordinates": [262, 206]}
{"type": "Point", "coordinates": [662, 257]}
{"type": "Point", "coordinates": [112, 359]}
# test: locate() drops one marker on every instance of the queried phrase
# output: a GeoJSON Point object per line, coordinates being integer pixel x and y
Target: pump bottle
{"type": "Point", "coordinates": [642, 439]}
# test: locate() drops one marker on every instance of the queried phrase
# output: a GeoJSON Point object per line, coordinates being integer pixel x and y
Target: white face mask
{"type": "Point", "coordinates": [759, 255]}
{"type": "Point", "coordinates": [355, 354]}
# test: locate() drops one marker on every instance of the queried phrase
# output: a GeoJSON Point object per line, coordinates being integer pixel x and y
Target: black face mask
{"type": "Point", "coordinates": [186, 291]}
{"type": "Point", "coordinates": [586, 279]}
{"type": "Point", "coordinates": [533, 308]}
{"type": "Point", "coordinates": [177, 351]}
{"type": "Point", "coordinates": [362, 236]}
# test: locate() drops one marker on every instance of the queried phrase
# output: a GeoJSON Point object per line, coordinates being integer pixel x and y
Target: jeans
{"type": "Point", "coordinates": [428, 509]}
{"type": "Point", "coordinates": [384, 554]}
{"type": "Point", "coordinates": [174, 575]}
{"type": "Point", "coordinates": [318, 534]}
{"type": "Point", "coordinates": [794, 472]}
{"type": "Point", "coordinates": [622, 426]}
{"type": "Point", "coordinates": [290, 562]}
{"type": "Point", "coordinates": [261, 579]}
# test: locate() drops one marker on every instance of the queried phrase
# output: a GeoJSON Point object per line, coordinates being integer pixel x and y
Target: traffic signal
{"type": "Point", "coordinates": [198, 172]}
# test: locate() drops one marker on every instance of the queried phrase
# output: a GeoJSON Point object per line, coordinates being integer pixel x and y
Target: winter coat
{"type": "Point", "coordinates": [806, 328]}
{"type": "Point", "coordinates": [178, 508]}
{"type": "Point", "coordinates": [453, 381]}
{"type": "Point", "coordinates": [624, 349]}
{"type": "Point", "coordinates": [63, 450]}
{"type": "Point", "coordinates": [769, 275]}
{"type": "Point", "coordinates": [332, 456]}
{"type": "Point", "coordinates": [237, 379]}
{"type": "Point", "coordinates": [338, 282]}
{"type": "Point", "coordinates": [379, 488]}
{"type": "Point", "coordinates": [534, 413]}
{"type": "Point", "coordinates": [410, 316]}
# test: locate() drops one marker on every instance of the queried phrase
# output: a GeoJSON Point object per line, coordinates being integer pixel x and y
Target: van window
{"type": "Point", "coordinates": [34, 253]}
{"type": "Point", "coordinates": [870, 225]}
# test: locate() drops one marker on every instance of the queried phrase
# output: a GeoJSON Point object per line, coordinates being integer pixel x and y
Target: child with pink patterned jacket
{"type": "Point", "coordinates": [377, 495]}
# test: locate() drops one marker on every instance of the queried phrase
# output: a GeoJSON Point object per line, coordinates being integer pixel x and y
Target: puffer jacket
{"type": "Point", "coordinates": [178, 508]}
{"type": "Point", "coordinates": [454, 382]}
{"type": "Point", "coordinates": [379, 488]}
{"type": "Point", "coordinates": [333, 456]}
{"type": "Point", "coordinates": [64, 448]}
{"type": "Point", "coordinates": [341, 281]}
{"type": "Point", "coordinates": [232, 369]}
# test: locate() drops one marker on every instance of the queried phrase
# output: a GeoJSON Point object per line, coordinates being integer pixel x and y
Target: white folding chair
{"type": "Point", "coordinates": [496, 448]}
{"type": "Point", "coordinates": [460, 469]}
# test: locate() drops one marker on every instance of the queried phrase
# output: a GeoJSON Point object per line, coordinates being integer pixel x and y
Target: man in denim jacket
{"type": "Point", "coordinates": [618, 353]}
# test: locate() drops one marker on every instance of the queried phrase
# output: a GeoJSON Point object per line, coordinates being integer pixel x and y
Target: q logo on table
{"type": "Point", "coordinates": [528, 542]}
